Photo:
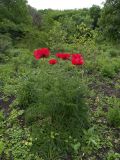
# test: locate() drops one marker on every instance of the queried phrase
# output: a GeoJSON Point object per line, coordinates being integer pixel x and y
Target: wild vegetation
{"type": "Point", "coordinates": [59, 82]}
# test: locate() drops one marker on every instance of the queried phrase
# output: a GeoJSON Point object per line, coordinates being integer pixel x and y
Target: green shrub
{"type": "Point", "coordinates": [63, 95]}
{"type": "Point", "coordinates": [5, 44]}
{"type": "Point", "coordinates": [108, 67]}
{"type": "Point", "coordinates": [1, 147]}
{"type": "Point", "coordinates": [27, 95]}
{"type": "Point", "coordinates": [21, 59]}
{"type": "Point", "coordinates": [114, 52]}
{"type": "Point", "coordinates": [34, 113]}
{"type": "Point", "coordinates": [54, 99]}
{"type": "Point", "coordinates": [113, 155]}
{"type": "Point", "coordinates": [90, 67]}
{"type": "Point", "coordinates": [6, 72]}
{"type": "Point", "coordinates": [116, 63]}
{"type": "Point", "coordinates": [33, 39]}
{"type": "Point", "coordinates": [57, 37]}
{"type": "Point", "coordinates": [113, 114]}
{"type": "Point", "coordinates": [91, 139]}
{"type": "Point", "coordinates": [108, 70]}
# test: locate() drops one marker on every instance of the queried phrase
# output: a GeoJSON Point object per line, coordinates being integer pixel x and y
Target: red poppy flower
{"type": "Point", "coordinates": [58, 55]}
{"type": "Point", "coordinates": [66, 56]}
{"type": "Point", "coordinates": [41, 53]}
{"type": "Point", "coordinates": [77, 61]}
{"type": "Point", "coordinates": [52, 61]}
{"type": "Point", "coordinates": [45, 52]}
{"type": "Point", "coordinates": [63, 55]}
{"type": "Point", "coordinates": [37, 54]}
{"type": "Point", "coordinates": [76, 55]}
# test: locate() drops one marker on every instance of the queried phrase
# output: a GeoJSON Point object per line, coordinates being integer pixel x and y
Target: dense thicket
{"type": "Point", "coordinates": [20, 22]}
{"type": "Point", "coordinates": [14, 18]}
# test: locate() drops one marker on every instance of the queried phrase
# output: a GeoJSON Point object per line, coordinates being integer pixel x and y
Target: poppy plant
{"type": "Point", "coordinates": [41, 53]}
{"type": "Point", "coordinates": [52, 61]}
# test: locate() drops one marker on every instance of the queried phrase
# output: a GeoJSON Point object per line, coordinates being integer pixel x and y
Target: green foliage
{"type": "Point", "coordinates": [47, 20]}
{"type": "Point", "coordinates": [56, 37]}
{"type": "Point", "coordinates": [1, 147]}
{"type": "Point", "coordinates": [83, 31]}
{"type": "Point", "coordinates": [54, 100]}
{"type": "Point", "coordinates": [34, 39]}
{"type": "Point", "coordinates": [5, 74]}
{"type": "Point", "coordinates": [16, 69]}
{"type": "Point", "coordinates": [5, 44]}
{"type": "Point", "coordinates": [28, 95]}
{"type": "Point", "coordinates": [15, 31]}
{"type": "Point", "coordinates": [15, 11]}
{"type": "Point", "coordinates": [59, 90]}
{"type": "Point", "coordinates": [92, 139]}
{"type": "Point", "coordinates": [107, 66]}
{"type": "Point", "coordinates": [36, 17]}
{"type": "Point", "coordinates": [114, 52]}
{"type": "Point", "coordinates": [110, 19]}
{"type": "Point", "coordinates": [14, 18]}
{"type": "Point", "coordinates": [113, 156]}
{"type": "Point", "coordinates": [95, 15]}
{"type": "Point", "coordinates": [19, 138]}
{"type": "Point", "coordinates": [107, 70]}
{"type": "Point", "coordinates": [113, 114]}
{"type": "Point", "coordinates": [1, 140]}
{"type": "Point", "coordinates": [68, 25]}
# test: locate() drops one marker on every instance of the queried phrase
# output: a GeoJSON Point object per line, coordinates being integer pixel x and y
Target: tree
{"type": "Point", "coordinates": [57, 37]}
{"type": "Point", "coordinates": [69, 26]}
{"type": "Point", "coordinates": [36, 16]}
{"type": "Point", "coordinates": [110, 19]}
{"type": "Point", "coordinates": [14, 18]}
{"type": "Point", "coordinates": [15, 10]}
{"type": "Point", "coordinates": [95, 15]}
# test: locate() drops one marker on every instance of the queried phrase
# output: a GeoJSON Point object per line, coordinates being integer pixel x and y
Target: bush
{"type": "Point", "coordinates": [62, 95]}
{"type": "Point", "coordinates": [108, 67]}
{"type": "Point", "coordinates": [116, 63]}
{"type": "Point", "coordinates": [54, 99]}
{"type": "Point", "coordinates": [108, 70]}
{"type": "Point", "coordinates": [114, 52]}
{"type": "Point", "coordinates": [5, 44]}
{"type": "Point", "coordinates": [112, 155]}
{"type": "Point", "coordinates": [6, 72]}
{"type": "Point", "coordinates": [34, 113]}
{"type": "Point", "coordinates": [33, 39]}
{"type": "Point", "coordinates": [57, 37]}
{"type": "Point", "coordinates": [113, 114]}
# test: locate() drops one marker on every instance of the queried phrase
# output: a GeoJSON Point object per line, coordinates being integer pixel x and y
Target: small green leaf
{"type": "Point", "coordinates": [1, 147]}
